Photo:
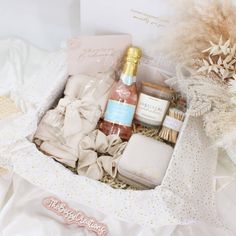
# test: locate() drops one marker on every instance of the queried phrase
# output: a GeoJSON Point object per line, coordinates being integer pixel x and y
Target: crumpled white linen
{"type": "Point", "coordinates": [76, 115]}
{"type": "Point", "coordinates": [32, 79]}
{"type": "Point", "coordinates": [225, 171]}
{"type": "Point", "coordinates": [22, 214]}
{"type": "Point", "coordinates": [228, 142]}
{"type": "Point", "coordinates": [110, 149]}
{"type": "Point", "coordinates": [182, 198]}
{"type": "Point", "coordinates": [8, 108]}
{"type": "Point", "coordinates": [26, 72]}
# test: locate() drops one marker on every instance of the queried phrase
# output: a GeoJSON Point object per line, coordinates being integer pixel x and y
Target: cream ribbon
{"type": "Point", "coordinates": [62, 129]}
{"type": "Point", "coordinates": [76, 115]}
{"type": "Point", "coordinates": [76, 111]}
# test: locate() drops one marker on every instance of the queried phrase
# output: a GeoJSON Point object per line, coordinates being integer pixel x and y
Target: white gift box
{"type": "Point", "coordinates": [180, 199]}
{"type": "Point", "coordinates": [186, 195]}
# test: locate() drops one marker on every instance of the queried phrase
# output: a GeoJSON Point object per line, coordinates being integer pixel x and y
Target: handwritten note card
{"type": "Point", "coordinates": [92, 54]}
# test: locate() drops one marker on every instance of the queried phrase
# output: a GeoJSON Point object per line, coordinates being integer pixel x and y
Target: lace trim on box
{"type": "Point", "coordinates": [186, 195]}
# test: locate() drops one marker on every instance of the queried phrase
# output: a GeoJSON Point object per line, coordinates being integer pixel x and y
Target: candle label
{"type": "Point", "coordinates": [119, 113]}
{"type": "Point", "coordinates": [151, 110]}
{"type": "Point", "coordinates": [72, 216]}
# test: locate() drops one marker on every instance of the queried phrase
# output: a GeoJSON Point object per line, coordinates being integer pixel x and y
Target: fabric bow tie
{"type": "Point", "coordinates": [77, 112]}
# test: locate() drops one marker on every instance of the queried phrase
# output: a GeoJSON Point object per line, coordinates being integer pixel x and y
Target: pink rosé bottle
{"type": "Point", "coordinates": [122, 102]}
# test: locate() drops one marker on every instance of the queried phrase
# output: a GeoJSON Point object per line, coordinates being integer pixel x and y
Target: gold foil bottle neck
{"type": "Point", "coordinates": [132, 59]}
{"type": "Point", "coordinates": [133, 54]}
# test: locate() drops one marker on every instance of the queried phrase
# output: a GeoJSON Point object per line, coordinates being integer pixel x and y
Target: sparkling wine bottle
{"type": "Point", "coordinates": [123, 99]}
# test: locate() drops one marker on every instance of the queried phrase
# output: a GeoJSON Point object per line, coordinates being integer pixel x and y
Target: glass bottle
{"type": "Point", "coordinates": [123, 99]}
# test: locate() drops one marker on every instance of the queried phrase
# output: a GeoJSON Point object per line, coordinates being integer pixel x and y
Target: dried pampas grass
{"type": "Point", "coordinates": [201, 38]}
{"type": "Point", "coordinates": [219, 123]}
{"type": "Point", "coordinates": [197, 23]}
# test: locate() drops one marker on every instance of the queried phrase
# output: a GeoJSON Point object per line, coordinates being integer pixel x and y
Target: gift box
{"type": "Point", "coordinates": [179, 190]}
{"type": "Point", "coordinates": [186, 194]}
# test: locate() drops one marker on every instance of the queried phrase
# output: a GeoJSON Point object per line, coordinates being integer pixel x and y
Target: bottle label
{"type": "Point", "coordinates": [151, 110]}
{"type": "Point", "coordinates": [119, 113]}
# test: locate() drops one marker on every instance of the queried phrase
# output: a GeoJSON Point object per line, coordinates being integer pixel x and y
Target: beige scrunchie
{"type": "Point", "coordinates": [109, 147]}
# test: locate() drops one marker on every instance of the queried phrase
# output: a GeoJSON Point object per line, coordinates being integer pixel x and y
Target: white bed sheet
{"type": "Point", "coordinates": [43, 23]}
{"type": "Point", "coordinates": [23, 214]}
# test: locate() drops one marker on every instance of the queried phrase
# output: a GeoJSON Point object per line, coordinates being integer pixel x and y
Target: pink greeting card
{"type": "Point", "coordinates": [92, 54]}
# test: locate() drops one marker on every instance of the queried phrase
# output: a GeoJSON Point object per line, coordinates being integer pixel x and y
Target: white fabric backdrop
{"type": "Point", "coordinates": [43, 22]}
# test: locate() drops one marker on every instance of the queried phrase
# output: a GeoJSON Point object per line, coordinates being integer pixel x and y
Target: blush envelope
{"type": "Point", "coordinates": [96, 54]}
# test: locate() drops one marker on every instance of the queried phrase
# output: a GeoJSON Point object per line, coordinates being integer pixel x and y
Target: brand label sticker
{"type": "Point", "coordinates": [119, 113]}
{"type": "Point", "coordinates": [72, 216]}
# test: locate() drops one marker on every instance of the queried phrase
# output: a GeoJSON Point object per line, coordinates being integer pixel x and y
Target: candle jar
{"type": "Point", "coordinates": [154, 101]}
